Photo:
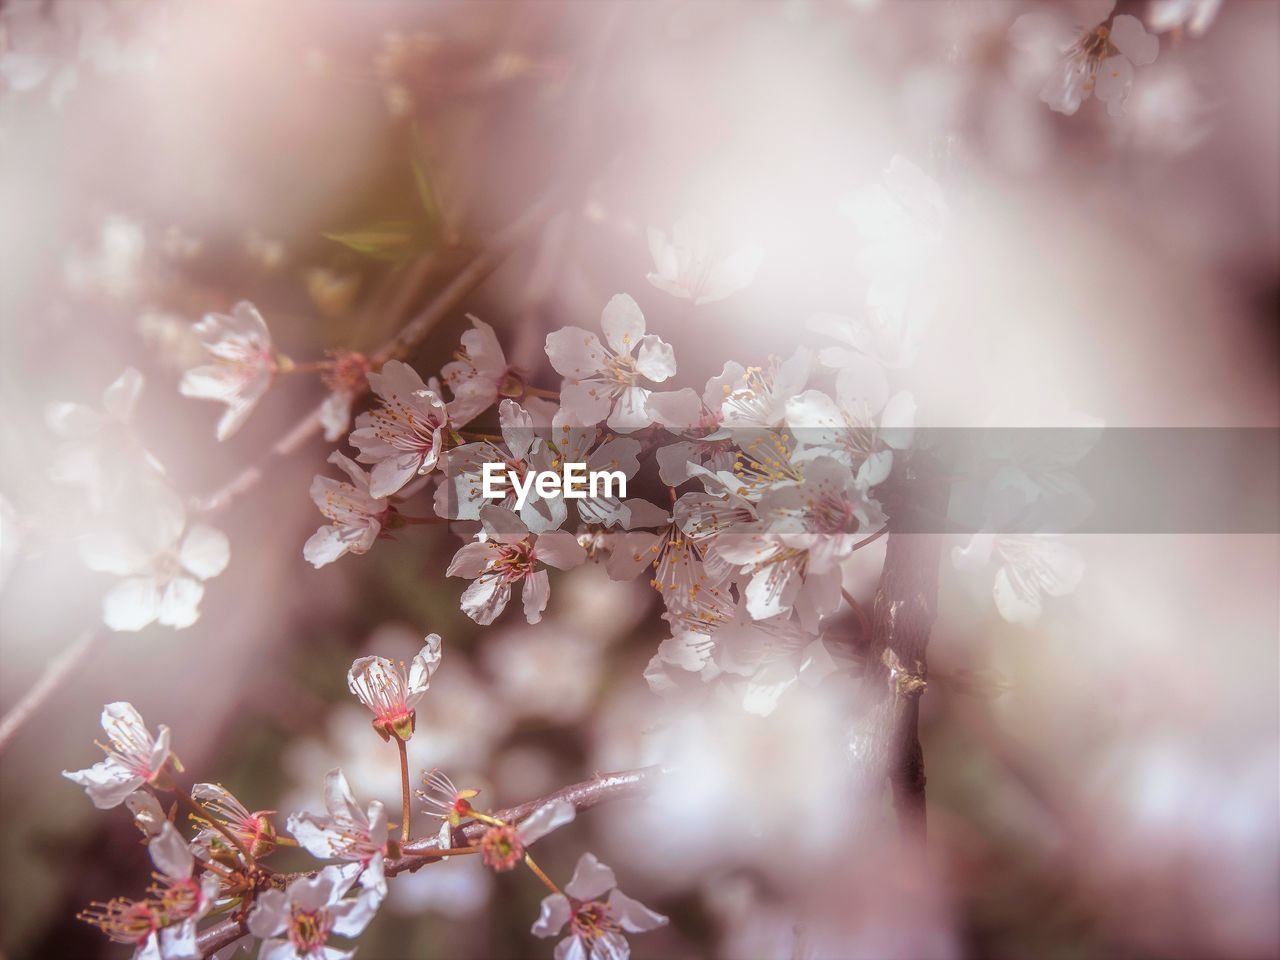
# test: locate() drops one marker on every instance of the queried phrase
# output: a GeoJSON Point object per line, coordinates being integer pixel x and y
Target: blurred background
{"type": "Point", "coordinates": [339, 163]}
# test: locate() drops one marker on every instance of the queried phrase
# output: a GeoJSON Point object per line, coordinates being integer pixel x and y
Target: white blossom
{"type": "Point", "coordinates": [243, 366]}
{"type": "Point", "coordinates": [1195, 16]}
{"type": "Point", "coordinates": [1028, 566]}
{"type": "Point", "coordinates": [603, 383]}
{"type": "Point", "coordinates": [392, 690]}
{"type": "Point", "coordinates": [99, 450]}
{"type": "Point", "coordinates": [686, 265]}
{"type": "Point", "coordinates": [404, 435]}
{"type": "Point", "coordinates": [134, 757]}
{"type": "Point", "coordinates": [298, 923]}
{"type": "Point", "coordinates": [509, 555]}
{"type": "Point", "coordinates": [595, 924]}
{"type": "Point", "coordinates": [347, 833]}
{"type": "Point", "coordinates": [478, 376]}
{"type": "Point", "coordinates": [1093, 54]}
{"type": "Point", "coordinates": [356, 517]}
{"type": "Point", "coordinates": [163, 562]}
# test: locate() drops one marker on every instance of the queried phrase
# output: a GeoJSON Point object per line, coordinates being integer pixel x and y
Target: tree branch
{"type": "Point", "coordinates": [55, 673]}
{"type": "Point", "coordinates": [415, 331]}
{"type": "Point", "coordinates": [601, 788]}
{"type": "Point", "coordinates": [902, 616]}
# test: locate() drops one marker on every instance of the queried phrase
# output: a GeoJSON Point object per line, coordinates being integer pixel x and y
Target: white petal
{"type": "Point", "coordinates": [546, 818]}
{"type": "Point", "coordinates": [205, 551]}
{"type": "Point", "coordinates": [1131, 39]}
{"type": "Point", "coordinates": [634, 916]}
{"type": "Point", "coordinates": [559, 549]}
{"type": "Point", "coordinates": [575, 353]}
{"type": "Point", "coordinates": [591, 879]}
{"type": "Point", "coordinates": [170, 853]}
{"type": "Point", "coordinates": [1017, 599]}
{"type": "Point", "coordinates": [180, 604]}
{"type": "Point", "coordinates": [553, 914]}
{"type": "Point", "coordinates": [656, 359]}
{"type": "Point", "coordinates": [131, 604]}
{"type": "Point", "coordinates": [121, 396]}
{"type": "Point", "coordinates": [535, 594]}
{"type": "Point", "coordinates": [270, 914]}
{"type": "Point", "coordinates": [623, 323]}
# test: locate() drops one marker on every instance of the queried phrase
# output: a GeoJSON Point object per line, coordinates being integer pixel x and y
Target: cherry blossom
{"type": "Point", "coordinates": [478, 376]}
{"type": "Point", "coordinates": [1029, 566]}
{"type": "Point", "coordinates": [134, 757]}
{"type": "Point", "coordinates": [347, 833]}
{"type": "Point", "coordinates": [603, 383]}
{"type": "Point", "coordinates": [595, 924]}
{"type": "Point", "coordinates": [861, 427]}
{"type": "Point", "coordinates": [356, 517]}
{"type": "Point", "coordinates": [1092, 54]}
{"type": "Point", "coordinates": [460, 495]}
{"type": "Point", "coordinates": [183, 900]}
{"type": "Point", "coordinates": [791, 555]}
{"type": "Point", "coordinates": [503, 845]}
{"type": "Point", "coordinates": [600, 452]}
{"type": "Point", "coordinates": [255, 830]}
{"type": "Point", "coordinates": [392, 690]}
{"type": "Point", "coordinates": [243, 367]}
{"type": "Point", "coordinates": [1195, 16]}
{"type": "Point", "coordinates": [298, 923]}
{"type": "Point", "coordinates": [687, 267]}
{"type": "Point", "coordinates": [506, 555]}
{"type": "Point", "coordinates": [403, 437]}
{"type": "Point", "coordinates": [162, 560]}
{"type": "Point", "coordinates": [347, 379]}
{"type": "Point", "coordinates": [696, 419]}
{"type": "Point", "coordinates": [757, 396]}
{"type": "Point", "coordinates": [680, 572]}
{"type": "Point", "coordinates": [451, 804]}
{"type": "Point", "coordinates": [99, 450]}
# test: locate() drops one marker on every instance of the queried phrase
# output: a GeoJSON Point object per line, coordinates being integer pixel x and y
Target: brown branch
{"type": "Point", "coordinates": [415, 331]}
{"type": "Point", "coordinates": [601, 788]}
{"type": "Point", "coordinates": [902, 616]}
{"type": "Point", "coordinates": [54, 674]}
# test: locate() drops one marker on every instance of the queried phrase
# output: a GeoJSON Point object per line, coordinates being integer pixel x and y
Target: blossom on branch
{"type": "Point", "coordinates": [134, 757]}
{"type": "Point", "coordinates": [1092, 55]}
{"type": "Point", "coordinates": [503, 845]}
{"type": "Point", "coordinates": [595, 924]}
{"type": "Point", "coordinates": [392, 690]}
{"type": "Point", "coordinates": [297, 923]}
{"type": "Point", "coordinates": [479, 375]}
{"type": "Point", "coordinates": [508, 554]}
{"type": "Point", "coordinates": [356, 515]}
{"type": "Point", "coordinates": [603, 383]}
{"type": "Point", "coordinates": [687, 267]}
{"type": "Point", "coordinates": [403, 436]}
{"type": "Point", "coordinates": [243, 367]}
{"type": "Point", "coordinates": [347, 833]}
{"type": "Point", "coordinates": [162, 560]}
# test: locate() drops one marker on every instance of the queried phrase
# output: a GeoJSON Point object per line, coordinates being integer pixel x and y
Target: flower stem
{"type": "Point", "coordinates": [404, 789]}
{"type": "Point", "coordinates": [530, 391]}
{"type": "Point", "coordinates": [537, 872]}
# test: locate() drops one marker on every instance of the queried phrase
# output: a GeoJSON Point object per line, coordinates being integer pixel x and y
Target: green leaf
{"type": "Point", "coordinates": [387, 239]}
{"type": "Point", "coordinates": [426, 195]}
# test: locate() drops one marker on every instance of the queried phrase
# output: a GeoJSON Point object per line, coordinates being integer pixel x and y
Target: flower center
{"type": "Point", "coordinates": [592, 920]}
{"type": "Point", "coordinates": [309, 929]}
{"type": "Point", "coordinates": [124, 921]}
{"type": "Point", "coordinates": [500, 847]}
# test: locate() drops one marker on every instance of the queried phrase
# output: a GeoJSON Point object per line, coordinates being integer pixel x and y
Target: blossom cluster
{"type": "Point", "coordinates": [221, 871]}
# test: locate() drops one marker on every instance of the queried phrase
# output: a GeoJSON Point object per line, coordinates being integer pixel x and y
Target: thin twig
{"type": "Point", "coordinates": [55, 673]}
{"type": "Point", "coordinates": [404, 790]}
{"type": "Point", "coordinates": [471, 276]}
{"type": "Point", "coordinates": [599, 789]}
